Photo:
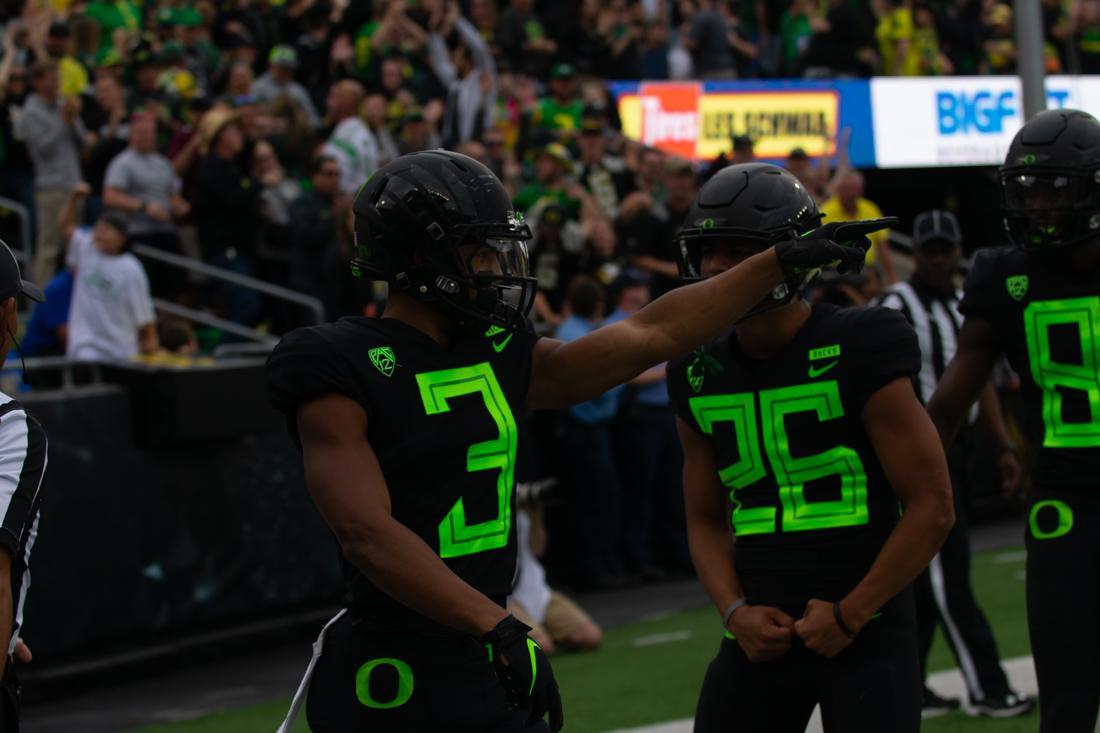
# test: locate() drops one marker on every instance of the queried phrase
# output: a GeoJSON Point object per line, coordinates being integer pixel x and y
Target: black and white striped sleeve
{"type": "Point", "coordinates": [22, 466]}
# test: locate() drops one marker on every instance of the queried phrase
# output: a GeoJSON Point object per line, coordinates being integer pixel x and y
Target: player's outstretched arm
{"type": "Point", "coordinates": [912, 457]}
{"type": "Point", "coordinates": [965, 378]}
{"type": "Point", "coordinates": [348, 487]}
{"type": "Point", "coordinates": [671, 326]}
{"type": "Point", "coordinates": [762, 631]}
{"type": "Point", "coordinates": [679, 321]}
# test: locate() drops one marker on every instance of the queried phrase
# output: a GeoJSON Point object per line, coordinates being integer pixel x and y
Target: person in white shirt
{"type": "Point", "coordinates": [111, 317]}
{"type": "Point", "coordinates": [352, 143]}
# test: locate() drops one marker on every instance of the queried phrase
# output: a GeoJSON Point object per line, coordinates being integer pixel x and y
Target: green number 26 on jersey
{"type": "Point", "coordinates": [791, 473]}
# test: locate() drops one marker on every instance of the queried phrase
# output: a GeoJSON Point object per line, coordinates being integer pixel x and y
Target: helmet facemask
{"type": "Point", "coordinates": [1048, 209]}
{"type": "Point", "coordinates": [485, 280]}
{"type": "Point", "coordinates": [693, 243]}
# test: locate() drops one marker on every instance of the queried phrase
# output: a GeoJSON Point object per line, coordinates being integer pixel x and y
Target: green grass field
{"type": "Point", "coordinates": [650, 672]}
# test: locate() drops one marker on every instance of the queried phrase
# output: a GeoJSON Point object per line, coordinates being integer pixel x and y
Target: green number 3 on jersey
{"type": "Point", "coordinates": [456, 537]}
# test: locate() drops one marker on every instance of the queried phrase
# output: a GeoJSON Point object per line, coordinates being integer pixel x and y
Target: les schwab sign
{"type": "Point", "coordinates": [682, 119]}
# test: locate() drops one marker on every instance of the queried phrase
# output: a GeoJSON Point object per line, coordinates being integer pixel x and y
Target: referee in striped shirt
{"type": "Point", "coordinates": [22, 465]}
{"type": "Point", "coordinates": [929, 299]}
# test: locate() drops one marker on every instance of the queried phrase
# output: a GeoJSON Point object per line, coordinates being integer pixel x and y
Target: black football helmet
{"type": "Point", "coordinates": [1050, 181]}
{"type": "Point", "coordinates": [428, 223]}
{"type": "Point", "coordinates": [750, 207]}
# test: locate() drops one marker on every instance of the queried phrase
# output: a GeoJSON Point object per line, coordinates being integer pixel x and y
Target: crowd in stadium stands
{"type": "Point", "coordinates": [238, 131]}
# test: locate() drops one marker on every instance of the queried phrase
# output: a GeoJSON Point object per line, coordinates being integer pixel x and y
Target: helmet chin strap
{"type": "Point", "coordinates": [22, 359]}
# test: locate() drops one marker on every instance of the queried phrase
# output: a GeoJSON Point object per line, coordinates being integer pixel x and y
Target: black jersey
{"type": "Point", "coordinates": [811, 506]}
{"type": "Point", "coordinates": [443, 423]}
{"type": "Point", "coordinates": [1048, 325]}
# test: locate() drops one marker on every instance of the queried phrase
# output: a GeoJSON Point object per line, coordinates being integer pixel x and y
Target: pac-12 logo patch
{"type": "Point", "coordinates": [1017, 286]}
{"type": "Point", "coordinates": [383, 359]}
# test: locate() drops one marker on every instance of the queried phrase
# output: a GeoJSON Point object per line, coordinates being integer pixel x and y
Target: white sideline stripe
{"type": "Point", "coordinates": [1007, 558]}
{"type": "Point", "coordinates": [1020, 671]}
{"type": "Point", "coordinates": [668, 638]}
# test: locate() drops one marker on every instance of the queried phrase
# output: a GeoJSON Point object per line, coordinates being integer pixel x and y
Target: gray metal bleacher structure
{"type": "Point", "coordinates": [174, 511]}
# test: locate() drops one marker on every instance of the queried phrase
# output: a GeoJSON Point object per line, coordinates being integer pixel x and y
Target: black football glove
{"type": "Point", "coordinates": [840, 243]}
{"type": "Point", "coordinates": [524, 671]}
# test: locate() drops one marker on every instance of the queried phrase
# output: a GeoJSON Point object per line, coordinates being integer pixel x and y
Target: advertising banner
{"type": "Point", "coordinates": [894, 122]}
{"type": "Point", "coordinates": [698, 121]}
{"type": "Point", "coordinates": [960, 121]}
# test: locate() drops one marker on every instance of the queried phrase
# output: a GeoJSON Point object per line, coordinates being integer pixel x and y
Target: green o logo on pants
{"type": "Point", "coordinates": [1065, 519]}
{"type": "Point", "coordinates": [404, 684]}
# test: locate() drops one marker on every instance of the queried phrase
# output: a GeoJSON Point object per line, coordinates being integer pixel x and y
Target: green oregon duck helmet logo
{"type": "Point", "coordinates": [695, 375]}
{"type": "Point", "coordinates": [699, 367]}
{"type": "Point", "coordinates": [383, 360]}
{"type": "Point", "coordinates": [1017, 286]}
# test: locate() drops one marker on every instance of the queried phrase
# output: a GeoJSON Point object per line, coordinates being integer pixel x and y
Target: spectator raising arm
{"type": "Point", "coordinates": [66, 220]}
{"type": "Point", "coordinates": [8, 59]}
{"type": "Point", "coordinates": [471, 94]}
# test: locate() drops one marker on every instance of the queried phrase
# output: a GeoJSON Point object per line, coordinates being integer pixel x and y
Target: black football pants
{"type": "Point", "coordinates": [873, 686]}
{"type": "Point", "coordinates": [1063, 610]}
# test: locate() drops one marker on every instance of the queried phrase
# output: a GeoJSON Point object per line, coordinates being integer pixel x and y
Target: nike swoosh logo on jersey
{"type": "Point", "coordinates": [815, 373]}
{"type": "Point", "coordinates": [499, 346]}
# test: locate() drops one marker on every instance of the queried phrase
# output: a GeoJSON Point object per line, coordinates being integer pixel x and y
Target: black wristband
{"type": "Point", "coordinates": [840, 622]}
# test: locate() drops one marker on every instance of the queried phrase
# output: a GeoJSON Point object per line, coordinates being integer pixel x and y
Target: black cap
{"type": "Point", "coordinates": [238, 40]}
{"type": "Point", "coordinates": [554, 215]}
{"type": "Point", "coordinates": [562, 71]}
{"type": "Point", "coordinates": [936, 225]}
{"type": "Point", "coordinates": [12, 282]}
{"type": "Point", "coordinates": [116, 219]}
{"type": "Point", "coordinates": [60, 29]}
{"type": "Point", "coordinates": [742, 142]}
{"type": "Point", "coordinates": [797, 154]}
{"type": "Point", "coordinates": [143, 56]}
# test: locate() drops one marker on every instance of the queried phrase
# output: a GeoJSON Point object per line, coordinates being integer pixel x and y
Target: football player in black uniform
{"type": "Point", "coordinates": [802, 433]}
{"type": "Point", "coordinates": [408, 430]}
{"type": "Point", "coordinates": [1038, 303]}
